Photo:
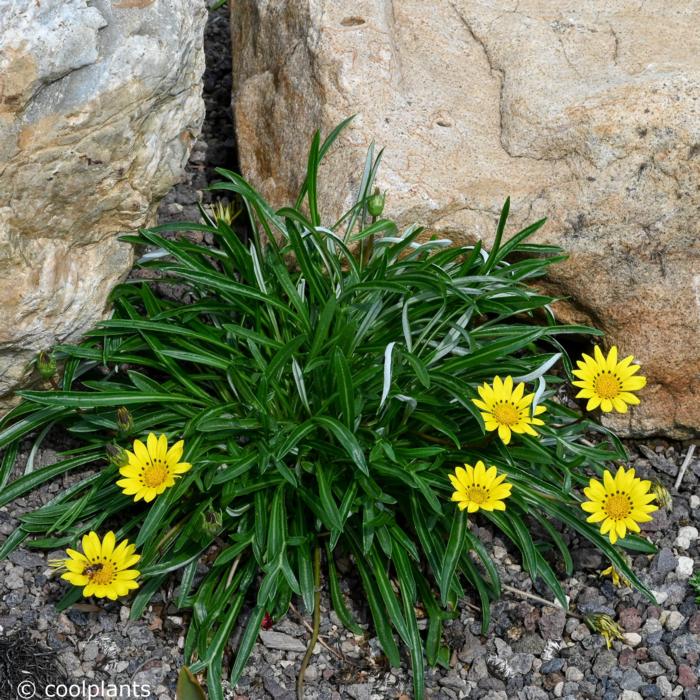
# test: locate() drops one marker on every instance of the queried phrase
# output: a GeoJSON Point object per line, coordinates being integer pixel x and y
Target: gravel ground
{"type": "Point", "coordinates": [531, 652]}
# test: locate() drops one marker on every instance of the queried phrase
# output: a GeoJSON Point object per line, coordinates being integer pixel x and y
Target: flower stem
{"type": "Point", "coordinates": [317, 623]}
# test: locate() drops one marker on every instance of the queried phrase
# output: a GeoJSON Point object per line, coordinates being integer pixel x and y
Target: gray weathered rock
{"type": "Point", "coordinates": [99, 104]}
{"type": "Point", "coordinates": [582, 112]}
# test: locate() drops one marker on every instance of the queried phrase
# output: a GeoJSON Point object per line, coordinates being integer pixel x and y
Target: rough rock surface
{"type": "Point", "coordinates": [99, 104]}
{"type": "Point", "coordinates": [586, 113]}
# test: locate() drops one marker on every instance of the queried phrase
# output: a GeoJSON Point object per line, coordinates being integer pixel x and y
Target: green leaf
{"type": "Point", "coordinates": [188, 687]}
{"type": "Point", "coordinates": [493, 255]}
{"type": "Point", "coordinates": [346, 392]}
{"type": "Point", "coordinates": [346, 439]}
{"type": "Point", "coordinates": [328, 503]}
{"type": "Point", "coordinates": [245, 647]}
{"type": "Point", "coordinates": [453, 552]}
{"type": "Point", "coordinates": [377, 609]}
{"type": "Point", "coordinates": [337, 601]}
{"type": "Point", "coordinates": [25, 484]}
{"type": "Point", "coordinates": [91, 399]}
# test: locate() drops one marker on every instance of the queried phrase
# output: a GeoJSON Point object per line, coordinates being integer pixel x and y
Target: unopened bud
{"type": "Point", "coordinates": [663, 497]}
{"type": "Point", "coordinates": [211, 522]}
{"type": "Point", "coordinates": [125, 422]}
{"type": "Point", "coordinates": [375, 204]}
{"type": "Point", "coordinates": [117, 455]}
{"type": "Point", "coordinates": [46, 365]}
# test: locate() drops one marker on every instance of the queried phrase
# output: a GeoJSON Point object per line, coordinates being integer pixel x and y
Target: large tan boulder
{"type": "Point", "coordinates": [586, 113]}
{"type": "Point", "coordinates": [99, 104]}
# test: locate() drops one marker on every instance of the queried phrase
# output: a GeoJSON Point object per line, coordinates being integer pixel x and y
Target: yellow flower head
{"type": "Point", "coordinates": [607, 383]}
{"type": "Point", "coordinates": [152, 468]}
{"type": "Point", "coordinates": [477, 487]}
{"type": "Point", "coordinates": [507, 409]}
{"type": "Point", "coordinates": [619, 503]}
{"type": "Point", "coordinates": [618, 579]}
{"type": "Point", "coordinates": [103, 569]}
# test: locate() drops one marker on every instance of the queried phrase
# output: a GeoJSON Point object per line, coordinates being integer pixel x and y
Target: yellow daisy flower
{"type": "Point", "coordinates": [103, 569]}
{"type": "Point", "coordinates": [619, 503]}
{"type": "Point", "coordinates": [152, 468]}
{"type": "Point", "coordinates": [506, 409]}
{"type": "Point", "coordinates": [607, 383]}
{"type": "Point", "coordinates": [477, 487]}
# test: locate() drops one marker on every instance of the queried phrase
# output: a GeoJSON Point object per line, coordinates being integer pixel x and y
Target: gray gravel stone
{"type": "Point", "coordinates": [631, 680]}
{"type": "Point", "coordinates": [574, 674]}
{"type": "Point", "coordinates": [665, 562]}
{"type": "Point", "coordinates": [605, 662]}
{"type": "Point", "coordinates": [529, 644]}
{"type": "Point", "coordinates": [650, 691]}
{"type": "Point", "coordinates": [684, 645]}
{"type": "Point", "coordinates": [552, 666]}
{"type": "Point", "coordinates": [281, 641]}
{"type": "Point", "coordinates": [359, 691]}
{"type": "Point", "coordinates": [551, 623]}
{"type": "Point", "coordinates": [650, 669]}
{"type": "Point", "coordinates": [658, 654]}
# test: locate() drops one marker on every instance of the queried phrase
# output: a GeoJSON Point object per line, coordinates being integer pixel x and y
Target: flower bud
{"type": "Point", "coordinates": [663, 497]}
{"type": "Point", "coordinates": [125, 422]}
{"type": "Point", "coordinates": [375, 204]}
{"type": "Point", "coordinates": [46, 364]}
{"type": "Point", "coordinates": [117, 455]}
{"type": "Point", "coordinates": [211, 522]}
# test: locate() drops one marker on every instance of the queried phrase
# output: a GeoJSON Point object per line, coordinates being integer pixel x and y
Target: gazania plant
{"type": "Point", "coordinates": [325, 390]}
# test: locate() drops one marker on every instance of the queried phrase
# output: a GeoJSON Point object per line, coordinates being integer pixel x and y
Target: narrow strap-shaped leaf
{"type": "Point", "coordinates": [8, 462]}
{"type": "Point", "coordinates": [337, 600]}
{"type": "Point", "coordinates": [472, 573]}
{"type": "Point", "coordinates": [31, 481]}
{"type": "Point", "coordinates": [12, 542]}
{"type": "Point", "coordinates": [326, 497]}
{"type": "Point", "coordinates": [388, 596]}
{"type": "Point", "coordinates": [92, 399]}
{"type": "Point", "coordinates": [346, 439]}
{"type": "Point", "coordinates": [346, 394]}
{"type": "Point", "coordinates": [381, 623]}
{"type": "Point", "coordinates": [407, 586]}
{"type": "Point", "coordinates": [453, 552]}
{"type": "Point", "coordinates": [29, 423]}
{"type": "Point", "coordinates": [247, 642]}
{"type": "Point", "coordinates": [493, 255]}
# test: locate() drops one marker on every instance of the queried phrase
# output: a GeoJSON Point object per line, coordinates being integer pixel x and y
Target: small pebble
{"type": "Point", "coordinates": [673, 620]}
{"type": "Point", "coordinates": [581, 632]}
{"type": "Point", "coordinates": [686, 535]}
{"type": "Point", "coordinates": [687, 677]}
{"type": "Point", "coordinates": [574, 674]}
{"type": "Point", "coordinates": [632, 639]}
{"type": "Point", "coordinates": [685, 567]}
{"type": "Point", "coordinates": [661, 596]}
